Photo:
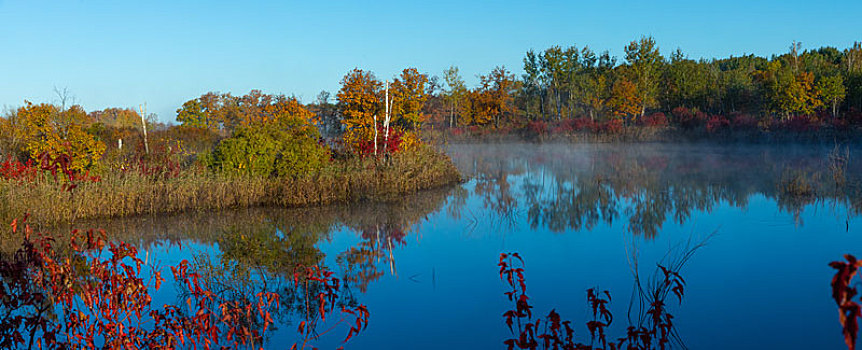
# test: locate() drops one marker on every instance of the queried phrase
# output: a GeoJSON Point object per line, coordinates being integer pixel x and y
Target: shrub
{"type": "Point", "coordinates": [613, 126]}
{"type": "Point", "coordinates": [716, 123]}
{"type": "Point", "coordinates": [800, 123]}
{"type": "Point", "coordinates": [655, 120]}
{"type": "Point", "coordinates": [538, 127]}
{"type": "Point", "coordinates": [743, 122]}
{"type": "Point", "coordinates": [268, 150]}
{"type": "Point", "coordinates": [392, 144]}
{"type": "Point", "coordinates": [689, 119]}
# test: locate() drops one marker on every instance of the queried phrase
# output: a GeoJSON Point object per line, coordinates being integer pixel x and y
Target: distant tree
{"type": "Point", "coordinates": [831, 90]}
{"type": "Point", "coordinates": [493, 100]}
{"type": "Point", "coordinates": [625, 99]}
{"type": "Point", "coordinates": [534, 82]}
{"type": "Point", "coordinates": [117, 117]}
{"type": "Point", "coordinates": [455, 94]}
{"type": "Point", "coordinates": [645, 61]}
{"type": "Point", "coordinates": [686, 82]}
{"type": "Point", "coordinates": [553, 64]}
{"type": "Point", "coordinates": [327, 113]}
{"type": "Point", "coordinates": [408, 94]}
{"type": "Point", "coordinates": [205, 112]}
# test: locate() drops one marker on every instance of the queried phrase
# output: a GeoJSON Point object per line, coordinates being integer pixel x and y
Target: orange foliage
{"type": "Point", "coordinates": [625, 100]}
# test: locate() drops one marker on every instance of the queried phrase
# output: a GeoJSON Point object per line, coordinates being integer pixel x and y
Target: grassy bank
{"type": "Point", "coordinates": [132, 193]}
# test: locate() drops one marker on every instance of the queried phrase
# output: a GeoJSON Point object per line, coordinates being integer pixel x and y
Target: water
{"type": "Point", "coordinates": [770, 217]}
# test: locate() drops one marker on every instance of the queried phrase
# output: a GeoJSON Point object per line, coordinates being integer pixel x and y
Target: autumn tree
{"type": "Point", "coordinates": [408, 94]}
{"type": "Point", "coordinates": [117, 117]}
{"type": "Point", "coordinates": [204, 112]}
{"type": "Point", "coordinates": [645, 62]}
{"type": "Point", "coordinates": [359, 104]}
{"type": "Point", "coordinates": [52, 130]}
{"type": "Point", "coordinates": [625, 100]}
{"type": "Point", "coordinates": [12, 134]}
{"type": "Point", "coordinates": [687, 82]}
{"type": "Point", "coordinates": [493, 100]}
{"type": "Point", "coordinates": [553, 64]}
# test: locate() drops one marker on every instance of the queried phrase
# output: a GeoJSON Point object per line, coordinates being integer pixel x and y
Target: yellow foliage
{"type": "Point", "coordinates": [48, 129]}
{"type": "Point", "coordinates": [359, 100]}
{"type": "Point", "coordinates": [410, 141]}
{"type": "Point", "coordinates": [625, 100]}
{"type": "Point", "coordinates": [408, 98]}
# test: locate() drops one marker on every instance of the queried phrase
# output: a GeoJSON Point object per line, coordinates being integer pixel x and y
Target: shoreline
{"type": "Point", "coordinates": [641, 134]}
{"type": "Point", "coordinates": [124, 195]}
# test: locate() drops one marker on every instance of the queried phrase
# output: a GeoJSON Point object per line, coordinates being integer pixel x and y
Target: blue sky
{"type": "Point", "coordinates": [122, 54]}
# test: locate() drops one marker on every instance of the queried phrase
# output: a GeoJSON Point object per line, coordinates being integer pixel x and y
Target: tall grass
{"type": "Point", "coordinates": [132, 193]}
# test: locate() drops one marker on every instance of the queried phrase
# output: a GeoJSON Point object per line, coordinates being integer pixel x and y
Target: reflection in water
{"type": "Point", "coordinates": [515, 196]}
{"type": "Point", "coordinates": [267, 250]}
{"type": "Point", "coordinates": [576, 187]}
{"type": "Point", "coordinates": [361, 263]}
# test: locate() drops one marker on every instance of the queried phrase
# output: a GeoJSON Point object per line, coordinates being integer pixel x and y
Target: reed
{"type": "Point", "coordinates": [133, 193]}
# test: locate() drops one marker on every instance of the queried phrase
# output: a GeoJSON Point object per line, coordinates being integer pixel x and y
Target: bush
{"type": "Point", "coordinates": [744, 122]}
{"type": "Point", "coordinates": [717, 123]}
{"type": "Point", "coordinates": [688, 119]}
{"type": "Point", "coordinates": [537, 127]}
{"type": "Point", "coordinates": [800, 123]}
{"type": "Point", "coordinates": [269, 150]}
{"type": "Point", "coordinates": [656, 120]}
{"type": "Point", "coordinates": [613, 126]}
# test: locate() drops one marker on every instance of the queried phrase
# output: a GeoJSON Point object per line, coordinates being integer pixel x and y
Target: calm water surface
{"type": "Point", "coordinates": [579, 215]}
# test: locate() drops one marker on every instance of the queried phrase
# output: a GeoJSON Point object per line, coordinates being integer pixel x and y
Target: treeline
{"type": "Point", "coordinates": [572, 88]}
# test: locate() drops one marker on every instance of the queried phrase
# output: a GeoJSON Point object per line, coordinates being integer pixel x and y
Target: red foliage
{"type": "Point", "coordinates": [655, 120]}
{"type": "Point", "coordinates": [843, 293]}
{"type": "Point", "coordinates": [12, 169]}
{"type": "Point", "coordinates": [102, 300]}
{"type": "Point", "coordinates": [538, 127]}
{"type": "Point", "coordinates": [160, 164]}
{"type": "Point", "coordinates": [800, 123]}
{"type": "Point", "coordinates": [717, 123]}
{"type": "Point", "coordinates": [744, 122]}
{"type": "Point", "coordinates": [687, 118]}
{"type": "Point", "coordinates": [613, 126]}
{"type": "Point", "coordinates": [384, 145]}
{"type": "Point", "coordinates": [554, 333]}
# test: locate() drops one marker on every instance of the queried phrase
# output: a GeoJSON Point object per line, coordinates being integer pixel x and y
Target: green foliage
{"type": "Point", "coordinates": [646, 64]}
{"type": "Point", "coordinates": [270, 150]}
{"type": "Point", "coordinates": [265, 245]}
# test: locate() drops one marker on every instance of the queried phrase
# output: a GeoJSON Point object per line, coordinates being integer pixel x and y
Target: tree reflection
{"type": "Point", "coordinates": [362, 262]}
{"type": "Point", "coordinates": [576, 187]}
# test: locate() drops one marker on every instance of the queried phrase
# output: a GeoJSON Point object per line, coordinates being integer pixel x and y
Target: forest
{"type": "Point", "coordinates": [372, 138]}
{"type": "Point", "coordinates": [566, 90]}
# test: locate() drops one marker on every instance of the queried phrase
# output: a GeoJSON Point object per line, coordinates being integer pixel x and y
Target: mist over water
{"type": "Point", "coordinates": [771, 217]}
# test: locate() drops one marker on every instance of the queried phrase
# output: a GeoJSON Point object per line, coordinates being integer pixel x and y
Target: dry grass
{"type": "Point", "coordinates": [123, 194]}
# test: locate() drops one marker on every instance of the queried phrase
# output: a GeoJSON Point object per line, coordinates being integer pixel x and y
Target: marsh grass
{"type": "Point", "coordinates": [132, 193]}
